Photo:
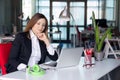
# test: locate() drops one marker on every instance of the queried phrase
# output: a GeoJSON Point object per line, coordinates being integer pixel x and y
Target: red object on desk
{"type": "Point", "coordinates": [4, 54]}
{"type": "Point", "coordinates": [88, 57]}
{"type": "Point", "coordinates": [89, 51]}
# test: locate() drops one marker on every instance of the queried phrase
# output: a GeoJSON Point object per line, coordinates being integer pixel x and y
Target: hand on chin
{"type": "Point", "coordinates": [41, 36]}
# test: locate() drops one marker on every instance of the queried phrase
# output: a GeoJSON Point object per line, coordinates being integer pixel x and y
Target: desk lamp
{"type": "Point", "coordinates": [65, 15]}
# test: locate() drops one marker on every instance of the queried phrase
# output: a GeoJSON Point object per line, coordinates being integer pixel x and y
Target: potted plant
{"type": "Point", "coordinates": [99, 39]}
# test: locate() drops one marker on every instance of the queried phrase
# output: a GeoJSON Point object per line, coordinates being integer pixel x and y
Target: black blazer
{"type": "Point", "coordinates": [21, 51]}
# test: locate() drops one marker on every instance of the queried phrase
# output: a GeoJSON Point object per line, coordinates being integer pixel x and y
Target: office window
{"type": "Point", "coordinates": [110, 9]}
{"type": "Point", "coordinates": [92, 5]}
{"type": "Point", "coordinates": [26, 8]}
{"type": "Point", "coordinates": [57, 8]}
{"type": "Point", "coordinates": [77, 10]}
{"type": "Point", "coordinates": [27, 11]}
{"type": "Point", "coordinates": [43, 6]}
{"type": "Point", "coordinates": [102, 9]}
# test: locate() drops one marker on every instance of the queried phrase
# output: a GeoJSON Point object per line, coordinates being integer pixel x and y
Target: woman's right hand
{"type": "Point", "coordinates": [43, 37]}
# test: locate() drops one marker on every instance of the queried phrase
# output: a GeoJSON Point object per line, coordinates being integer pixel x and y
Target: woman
{"type": "Point", "coordinates": [31, 46]}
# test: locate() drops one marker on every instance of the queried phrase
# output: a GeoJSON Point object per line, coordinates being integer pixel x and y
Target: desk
{"type": "Point", "coordinates": [72, 73]}
{"type": "Point", "coordinates": [6, 39]}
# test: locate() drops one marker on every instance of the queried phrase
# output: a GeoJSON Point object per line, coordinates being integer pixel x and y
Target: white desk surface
{"type": "Point", "coordinates": [72, 73]}
{"type": "Point", "coordinates": [6, 39]}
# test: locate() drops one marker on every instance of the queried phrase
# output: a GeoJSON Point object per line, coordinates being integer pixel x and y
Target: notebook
{"type": "Point", "coordinates": [68, 57]}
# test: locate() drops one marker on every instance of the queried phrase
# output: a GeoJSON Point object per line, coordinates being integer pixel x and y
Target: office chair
{"type": "Point", "coordinates": [102, 23]}
{"type": "Point", "coordinates": [109, 49]}
{"type": "Point", "coordinates": [4, 54]}
{"type": "Point", "coordinates": [59, 48]}
{"type": "Point", "coordinates": [79, 36]}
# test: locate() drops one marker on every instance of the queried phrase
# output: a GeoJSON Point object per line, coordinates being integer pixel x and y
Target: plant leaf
{"type": "Point", "coordinates": [99, 40]}
{"type": "Point", "coordinates": [102, 39]}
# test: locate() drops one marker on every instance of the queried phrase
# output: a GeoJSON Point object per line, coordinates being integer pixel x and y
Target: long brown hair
{"type": "Point", "coordinates": [33, 21]}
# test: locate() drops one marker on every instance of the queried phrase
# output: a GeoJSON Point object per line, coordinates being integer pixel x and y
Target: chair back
{"type": "Point", "coordinates": [79, 36]}
{"type": "Point", "coordinates": [4, 54]}
{"type": "Point", "coordinates": [78, 33]}
{"type": "Point", "coordinates": [59, 48]}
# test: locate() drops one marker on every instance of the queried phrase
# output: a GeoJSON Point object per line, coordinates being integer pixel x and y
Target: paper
{"type": "Point", "coordinates": [4, 78]}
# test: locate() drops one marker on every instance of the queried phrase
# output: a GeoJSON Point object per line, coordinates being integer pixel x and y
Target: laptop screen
{"type": "Point", "coordinates": [69, 57]}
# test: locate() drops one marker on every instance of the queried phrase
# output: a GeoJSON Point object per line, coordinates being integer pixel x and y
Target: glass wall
{"type": "Point", "coordinates": [57, 7]}
{"type": "Point", "coordinates": [27, 11]}
{"type": "Point", "coordinates": [102, 9]}
{"type": "Point", "coordinates": [43, 6]}
{"type": "Point", "coordinates": [77, 10]}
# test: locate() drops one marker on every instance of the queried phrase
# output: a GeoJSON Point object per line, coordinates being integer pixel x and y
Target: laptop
{"type": "Point", "coordinates": [69, 57]}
